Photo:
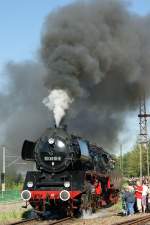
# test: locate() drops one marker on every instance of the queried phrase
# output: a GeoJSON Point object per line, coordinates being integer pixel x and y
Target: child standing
{"type": "Point", "coordinates": [130, 200]}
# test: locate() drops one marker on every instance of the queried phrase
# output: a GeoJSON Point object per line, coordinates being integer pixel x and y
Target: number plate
{"type": "Point", "coordinates": [52, 158]}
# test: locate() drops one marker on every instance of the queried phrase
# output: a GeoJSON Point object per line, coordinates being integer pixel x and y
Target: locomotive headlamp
{"type": "Point", "coordinates": [60, 144]}
{"type": "Point", "coordinates": [67, 184]}
{"type": "Point", "coordinates": [30, 184]}
{"type": "Point", "coordinates": [26, 195]}
{"type": "Point", "coordinates": [51, 141]}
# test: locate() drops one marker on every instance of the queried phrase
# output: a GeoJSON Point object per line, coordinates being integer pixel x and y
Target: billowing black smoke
{"type": "Point", "coordinates": [99, 54]}
{"type": "Point", "coordinates": [22, 111]}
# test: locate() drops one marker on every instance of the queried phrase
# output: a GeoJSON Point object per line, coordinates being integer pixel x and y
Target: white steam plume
{"type": "Point", "coordinates": [58, 102]}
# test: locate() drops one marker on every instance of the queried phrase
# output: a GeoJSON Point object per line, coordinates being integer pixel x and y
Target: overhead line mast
{"type": "Point", "coordinates": [143, 130]}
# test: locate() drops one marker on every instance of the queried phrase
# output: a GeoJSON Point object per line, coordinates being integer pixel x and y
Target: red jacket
{"type": "Point", "coordinates": [108, 183]}
{"type": "Point", "coordinates": [98, 189]}
{"type": "Point", "coordinates": [138, 192]}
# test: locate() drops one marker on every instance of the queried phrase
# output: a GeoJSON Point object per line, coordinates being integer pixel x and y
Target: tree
{"type": "Point", "coordinates": [131, 162]}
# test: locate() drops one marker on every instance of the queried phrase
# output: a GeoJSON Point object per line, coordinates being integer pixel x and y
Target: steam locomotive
{"type": "Point", "coordinates": [68, 167]}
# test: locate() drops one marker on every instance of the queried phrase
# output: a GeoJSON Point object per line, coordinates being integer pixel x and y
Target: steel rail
{"type": "Point", "coordinates": [136, 221]}
{"type": "Point", "coordinates": [24, 221]}
{"type": "Point", "coordinates": [30, 221]}
{"type": "Point", "coordinates": [60, 221]}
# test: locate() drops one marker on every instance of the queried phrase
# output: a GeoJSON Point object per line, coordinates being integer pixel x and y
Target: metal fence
{"type": "Point", "coordinates": [9, 196]}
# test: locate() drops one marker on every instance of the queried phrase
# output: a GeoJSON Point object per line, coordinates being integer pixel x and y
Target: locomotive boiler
{"type": "Point", "coordinates": [68, 168]}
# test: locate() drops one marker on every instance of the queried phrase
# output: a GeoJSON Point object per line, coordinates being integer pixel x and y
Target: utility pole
{"type": "Point", "coordinates": [4, 169]}
{"type": "Point", "coordinates": [140, 146]}
{"type": "Point", "coordinates": [121, 160]}
{"type": "Point", "coordinates": [143, 130]}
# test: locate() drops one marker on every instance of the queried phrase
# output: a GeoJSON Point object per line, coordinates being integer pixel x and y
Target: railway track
{"type": "Point", "coordinates": [35, 221]}
{"type": "Point", "coordinates": [27, 221]}
{"type": "Point", "coordinates": [143, 220]}
{"type": "Point", "coordinates": [60, 221]}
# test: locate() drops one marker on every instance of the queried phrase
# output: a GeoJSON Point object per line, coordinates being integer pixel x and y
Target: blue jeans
{"type": "Point", "coordinates": [130, 208]}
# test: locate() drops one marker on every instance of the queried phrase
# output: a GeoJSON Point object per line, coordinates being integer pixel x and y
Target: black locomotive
{"type": "Point", "coordinates": [68, 170]}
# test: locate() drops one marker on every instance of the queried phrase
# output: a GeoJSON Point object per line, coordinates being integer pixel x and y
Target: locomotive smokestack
{"type": "Point", "coordinates": [63, 126]}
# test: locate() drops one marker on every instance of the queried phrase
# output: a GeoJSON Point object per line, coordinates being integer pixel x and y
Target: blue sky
{"type": "Point", "coordinates": [21, 23]}
{"type": "Point", "coordinates": [20, 27]}
{"type": "Point", "coordinates": [141, 7]}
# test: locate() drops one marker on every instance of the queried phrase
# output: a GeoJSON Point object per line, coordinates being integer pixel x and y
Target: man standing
{"type": "Point", "coordinates": [138, 195]}
{"type": "Point", "coordinates": [144, 196]}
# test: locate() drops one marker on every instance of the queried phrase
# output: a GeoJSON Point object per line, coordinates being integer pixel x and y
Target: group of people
{"type": "Point", "coordinates": [136, 198]}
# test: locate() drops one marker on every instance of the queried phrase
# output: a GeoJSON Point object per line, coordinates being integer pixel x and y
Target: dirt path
{"type": "Point", "coordinates": [104, 216]}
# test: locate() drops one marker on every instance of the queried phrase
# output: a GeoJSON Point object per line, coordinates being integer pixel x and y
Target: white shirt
{"type": "Point", "coordinates": [145, 190]}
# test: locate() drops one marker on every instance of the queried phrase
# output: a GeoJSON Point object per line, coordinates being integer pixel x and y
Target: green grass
{"type": "Point", "coordinates": [11, 215]}
{"type": "Point", "coordinates": [117, 207]}
{"type": "Point", "coordinates": [14, 215]}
